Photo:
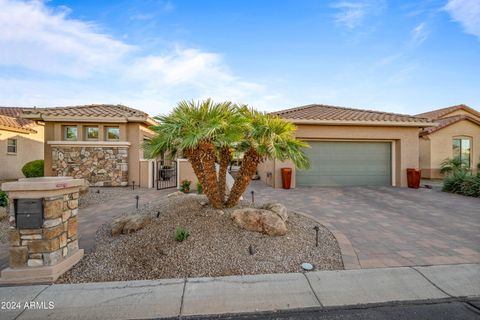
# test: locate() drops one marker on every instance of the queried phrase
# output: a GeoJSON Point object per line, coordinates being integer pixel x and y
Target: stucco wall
{"type": "Point", "coordinates": [441, 147]}
{"type": "Point", "coordinates": [185, 172]}
{"type": "Point", "coordinates": [404, 139]}
{"type": "Point", "coordinates": [29, 148]}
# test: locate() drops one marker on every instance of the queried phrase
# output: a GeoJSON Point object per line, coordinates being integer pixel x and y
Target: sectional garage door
{"type": "Point", "coordinates": [347, 164]}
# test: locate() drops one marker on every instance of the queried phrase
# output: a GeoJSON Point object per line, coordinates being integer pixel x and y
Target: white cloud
{"type": "Point", "coordinates": [353, 13]}
{"type": "Point", "coordinates": [419, 34]}
{"type": "Point", "coordinates": [467, 13]}
{"type": "Point", "coordinates": [74, 62]}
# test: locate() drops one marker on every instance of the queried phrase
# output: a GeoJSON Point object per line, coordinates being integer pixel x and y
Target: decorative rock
{"type": "Point", "coordinates": [72, 246]}
{"type": "Point", "coordinates": [37, 246]}
{"type": "Point", "coordinates": [35, 262]}
{"type": "Point", "coordinates": [117, 225]}
{"type": "Point", "coordinates": [66, 214]}
{"type": "Point", "coordinates": [135, 222]}
{"type": "Point", "coordinates": [74, 212]}
{"type": "Point", "coordinates": [65, 251]}
{"type": "Point", "coordinates": [278, 208]}
{"type": "Point", "coordinates": [35, 256]}
{"type": "Point", "coordinates": [175, 194]}
{"type": "Point", "coordinates": [30, 231]}
{"type": "Point", "coordinates": [31, 237]}
{"type": "Point", "coordinates": [259, 220]}
{"type": "Point", "coordinates": [18, 257]}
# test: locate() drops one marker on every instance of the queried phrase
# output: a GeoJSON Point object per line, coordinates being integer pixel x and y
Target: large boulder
{"type": "Point", "coordinates": [128, 224]}
{"type": "Point", "coordinates": [259, 220]}
{"type": "Point", "coordinates": [277, 208]}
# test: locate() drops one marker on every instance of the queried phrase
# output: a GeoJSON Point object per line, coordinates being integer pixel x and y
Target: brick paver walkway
{"type": "Point", "coordinates": [389, 227]}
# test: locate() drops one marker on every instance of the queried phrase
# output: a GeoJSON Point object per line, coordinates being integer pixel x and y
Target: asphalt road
{"type": "Point", "coordinates": [428, 311]}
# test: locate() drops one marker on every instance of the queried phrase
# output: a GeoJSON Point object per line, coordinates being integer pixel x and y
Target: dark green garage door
{"type": "Point", "coordinates": [347, 164]}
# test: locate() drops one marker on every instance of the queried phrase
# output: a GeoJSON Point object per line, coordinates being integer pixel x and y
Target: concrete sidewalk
{"type": "Point", "coordinates": [205, 296]}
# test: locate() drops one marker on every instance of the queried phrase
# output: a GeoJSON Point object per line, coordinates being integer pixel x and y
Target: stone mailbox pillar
{"type": "Point", "coordinates": [43, 228]}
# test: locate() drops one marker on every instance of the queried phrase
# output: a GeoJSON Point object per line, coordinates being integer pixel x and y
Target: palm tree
{"type": "Point", "coordinates": [267, 137]}
{"type": "Point", "coordinates": [199, 131]}
{"type": "Point", "coordinates": [449, 166]}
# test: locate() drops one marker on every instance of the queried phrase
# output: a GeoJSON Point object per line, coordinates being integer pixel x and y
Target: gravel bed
{"type": "Point", "coordinates": [216, 247]}
{"type": "Point", "coordinates": [97, 195]}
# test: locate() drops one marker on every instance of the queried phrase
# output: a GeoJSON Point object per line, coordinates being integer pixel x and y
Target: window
{"type": "Point", "coordinates": [113, 133]}
{"type": "Point", "coordinates": [70, 133]}
{"type": "Point", "coordinates": [91, 133]}
{"type": "Point", "coordinates": [461, 149]}
{"type": "Point", "coordinates": [11, 145]}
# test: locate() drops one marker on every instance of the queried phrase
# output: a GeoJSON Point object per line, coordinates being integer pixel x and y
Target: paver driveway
{"type": "Point", "coordinates": [388, 226]}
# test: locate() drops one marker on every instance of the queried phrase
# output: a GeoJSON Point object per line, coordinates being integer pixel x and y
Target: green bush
{"type": "Point", "coordinates": [33, 169]}
{"type": "Point", "coordinates": [181, 234]}
{"type": "Point", "coordinates": [462, 183]}
{"type": "Point", "coordinates": [3, 199]}
{"type": "Point", "coordinates": [199, 188]}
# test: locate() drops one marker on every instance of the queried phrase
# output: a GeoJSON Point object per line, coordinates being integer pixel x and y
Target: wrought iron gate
{"type": "Point", "coordinates": [166, 174]}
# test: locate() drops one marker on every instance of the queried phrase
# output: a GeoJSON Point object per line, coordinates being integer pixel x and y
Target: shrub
{"type": "Point", "coordinates": [185, 186]}
{"type": "Point", "coordinates": [3, 199]}
{"type": "Point", "coordinates": [462, 183]}
{"type": "Point", "coordinates": [450, 166]}
{"type": "Point", "coordinates": [199, 188]}
{"type": "Point", "coordinates": [33, 169]}
{"type": "Point", "coordinates": [181, 234]}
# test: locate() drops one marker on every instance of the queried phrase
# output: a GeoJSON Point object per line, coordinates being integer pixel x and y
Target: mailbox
{"type": "Point", "coordinates": [29, 213]}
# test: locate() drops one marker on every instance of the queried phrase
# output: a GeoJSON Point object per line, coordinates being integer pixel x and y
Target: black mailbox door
{"type": "Point", "coordinates": [29, 213]}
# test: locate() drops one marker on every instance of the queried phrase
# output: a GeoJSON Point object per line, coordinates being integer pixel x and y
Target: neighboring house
{"type": "Point", "coordinates": [100, 143]}
{"type": "Point", "coordinates": [350, 147]}
{"type": "Point", "coordinates": [21, 141]}
{"type": "Point", "coordinates": [457, 135]}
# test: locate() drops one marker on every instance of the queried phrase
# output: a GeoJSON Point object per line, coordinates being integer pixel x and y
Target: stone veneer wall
{"type": "Point", "coordinates": [51, 244]}
{"type": "Point", "coordinates": [100, 166]}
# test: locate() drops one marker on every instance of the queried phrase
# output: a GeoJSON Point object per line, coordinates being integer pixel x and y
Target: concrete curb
{"type": "Point", "coordinates": [169, 298]}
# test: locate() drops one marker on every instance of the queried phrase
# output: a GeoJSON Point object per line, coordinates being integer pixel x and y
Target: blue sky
{"type": "Point", "coordinates": [398, 56]}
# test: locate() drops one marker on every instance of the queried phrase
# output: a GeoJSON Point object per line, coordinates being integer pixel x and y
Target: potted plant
{"type": "Point", "coordinates": [185, 186]}
{"type": "Point", "coordinates": [166, 172]}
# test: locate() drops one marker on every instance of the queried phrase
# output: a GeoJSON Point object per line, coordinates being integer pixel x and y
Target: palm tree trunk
{"type": "Point", "coordinates": [250, 161]}
{"type": "Point", "coordinates": [225, 156]}
{"type": "Point", "coordinates": [203, 164]}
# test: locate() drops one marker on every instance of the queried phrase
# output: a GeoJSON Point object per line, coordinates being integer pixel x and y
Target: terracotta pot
{"type": "Point", "coordinates": [286, 177]}
{"type": "Point", "coordinates": [413, 178]}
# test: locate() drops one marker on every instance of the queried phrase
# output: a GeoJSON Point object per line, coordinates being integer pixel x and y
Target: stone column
{"type": "Point", "coordinates": [44, 253]}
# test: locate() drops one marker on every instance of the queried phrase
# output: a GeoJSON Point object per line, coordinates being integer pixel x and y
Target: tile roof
{"type": "Point", "coordinates": [447, 121]}
{"type": "Point", "coordinates": [10, 120]}
{"type": "Point", "coordinates": [94, 110]}
{"type": "Point", "coordinates": [334, 113]}
{"type": "Point", "coordinates": [439, 113]}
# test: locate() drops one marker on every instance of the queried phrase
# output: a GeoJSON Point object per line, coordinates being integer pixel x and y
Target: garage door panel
{"type": "Point", "coordinates": [347, 164]}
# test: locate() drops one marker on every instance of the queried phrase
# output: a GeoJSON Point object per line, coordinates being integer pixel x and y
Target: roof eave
{"type": "Point", "coordinates": [363, 123]}
{"type": "Point", "coordinates": [18, 130]}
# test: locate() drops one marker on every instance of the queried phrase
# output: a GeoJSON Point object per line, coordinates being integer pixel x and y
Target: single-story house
{"type": "Point", "coordinates": [457, 135]}
{"type": "Point", "coordinates": [350, 147]}
{"type": "Point", "coordinates": [21, 141]}
{"type": "Point", "coordinates": [100, 143]}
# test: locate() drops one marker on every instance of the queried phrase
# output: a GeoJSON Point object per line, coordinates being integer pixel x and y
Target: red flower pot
{"type": "Point", "coordinates": [413, 178]}
{"type": "Point", "coordinates": [286, 177]}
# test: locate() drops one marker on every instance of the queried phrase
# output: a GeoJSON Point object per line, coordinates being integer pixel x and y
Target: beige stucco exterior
{"type": "Point", "coordinates": [132, 135]}
{"type": "Point", "coordinates": [185, 172]}
{"type": "Point", "coordinates": [404, 140]}
{"type": "Point", "coordinates": [437, 146]}
{"type": "Point", "coordinates": [29, 148]}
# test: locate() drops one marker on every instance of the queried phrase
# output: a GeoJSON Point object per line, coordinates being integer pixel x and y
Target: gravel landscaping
{"type": "Point", "coordinates": [215, 247]}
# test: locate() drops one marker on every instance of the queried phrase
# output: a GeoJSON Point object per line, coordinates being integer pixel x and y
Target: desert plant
{"type": "Point", "coordinates": [185, 186]}
{"type": "Point", "coordinates": [181, 234]}
{"type": "Point", "coordinates": [199, 188]}
{"type": "Point", "coordinates": [449, 166]}
{"type": "Point", "coordinates": [462, 182]}
{"type": "Point", "coordinates": [33, 169]}
{"type": "Point", "coordinates": [3, 199]}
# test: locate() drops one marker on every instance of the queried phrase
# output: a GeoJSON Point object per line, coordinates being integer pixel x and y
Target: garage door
{"type": "Point", "coordinates": [347, 164]}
